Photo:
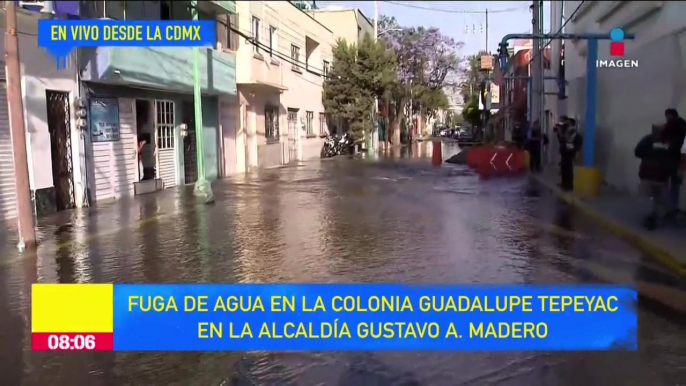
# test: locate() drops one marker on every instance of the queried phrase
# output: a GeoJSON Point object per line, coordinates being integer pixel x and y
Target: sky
{"type": "Point", "coordinates": [452, 17]}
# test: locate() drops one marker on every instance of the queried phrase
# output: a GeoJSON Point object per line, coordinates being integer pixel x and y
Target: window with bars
{"type": "Point", "coordinates": [255, 29]}
{"type": "Point", "coordinates": [165, 124]}
{"type": "Point", "coordinates": [309, 122]}
{"type": "Point", "coordinates": [295, 56]}
{"type": "Point", "coordinates": [325, 69]}
{"type": "Point", "coordinates": [271, 123]}
{"type": "Point", "coordinates": [322, 123]}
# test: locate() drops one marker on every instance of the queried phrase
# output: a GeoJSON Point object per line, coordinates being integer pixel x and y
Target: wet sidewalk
{"type": "Point", "coordinates": [79, 227]}
{"type": "Point", "coordinates": [623, 214]}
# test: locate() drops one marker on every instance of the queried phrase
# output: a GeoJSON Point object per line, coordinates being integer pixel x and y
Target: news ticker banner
{"type": "Point", "coordinates": [300, 317]}
{"type": "Point", "coordinates": [60, 37]}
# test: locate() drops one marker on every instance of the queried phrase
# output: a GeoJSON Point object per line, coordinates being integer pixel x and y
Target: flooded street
{"type": "Point", "coordinates": [392, 220]}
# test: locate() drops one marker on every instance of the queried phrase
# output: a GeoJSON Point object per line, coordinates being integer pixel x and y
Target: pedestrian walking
{"type": "Point", "coordinates": [675, 131]}
{"type": "Point", "coordinates": [655, 171]}
{"type": "Point", "coordinates": [569, 148]}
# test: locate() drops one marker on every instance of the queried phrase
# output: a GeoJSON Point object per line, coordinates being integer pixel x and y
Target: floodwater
{"type": "Point", "coordinates": [395, 219]}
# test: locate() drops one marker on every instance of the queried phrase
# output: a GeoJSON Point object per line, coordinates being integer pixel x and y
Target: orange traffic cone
{"type": "Point", "coordinates": [437, 155]}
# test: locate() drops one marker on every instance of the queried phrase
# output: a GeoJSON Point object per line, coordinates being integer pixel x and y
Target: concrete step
{"type": "Point", "coordinates": [148, 186]}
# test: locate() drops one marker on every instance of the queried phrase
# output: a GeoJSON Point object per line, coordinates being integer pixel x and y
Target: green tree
{"type": "Point", "coordinates": [427, 61]}
{"type": "Point", "coordinates": [357, 76]}
{"type": "Point", "coordinates": [472, 89]}
{"type": "Point", "coordinates": [430, 100]}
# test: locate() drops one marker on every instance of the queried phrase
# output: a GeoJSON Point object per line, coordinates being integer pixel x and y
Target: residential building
{"type": "Point", "coordinates": [348, 24]}
{"type": "Point", "coordinates": [147, 92]}
{"type": "Point", "coordinates": [283, 57]}
{"type": "Point", "coordinates": [515, 92]}
{"type": "Point", "coordinates": [632, 98]}
{"type": "Point", "coordinates": [53, 141]}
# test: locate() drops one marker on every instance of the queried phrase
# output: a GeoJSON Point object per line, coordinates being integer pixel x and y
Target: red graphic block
{"type": "Point", "coordinates": [616, 49]}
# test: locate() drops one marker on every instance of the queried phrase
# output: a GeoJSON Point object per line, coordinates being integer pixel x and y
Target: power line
{"type": "Point", "coordinates": [457, 11]}
{"type": "Point", "coordinates": [558, 31]}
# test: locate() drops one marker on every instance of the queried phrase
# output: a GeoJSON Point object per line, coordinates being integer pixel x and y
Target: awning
{"type": "Point", "coordinates": [263, 85]}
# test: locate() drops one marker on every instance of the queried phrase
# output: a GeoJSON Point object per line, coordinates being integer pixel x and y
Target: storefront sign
{"type": "Point", "coordinates": [104, 119]}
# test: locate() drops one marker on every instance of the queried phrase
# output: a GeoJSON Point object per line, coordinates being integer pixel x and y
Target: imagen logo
{"type": "Point", "coordinates": [616, 50]}
{"type": "Point", "coordinates": [616, 42]}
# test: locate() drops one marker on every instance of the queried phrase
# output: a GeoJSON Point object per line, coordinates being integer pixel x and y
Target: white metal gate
{"type": "Point", "coordinates": [164, 139]}
{"type": "Point", "coordinates": [292, 134]}
{"type": "Point", "coordinates": [7, 186]}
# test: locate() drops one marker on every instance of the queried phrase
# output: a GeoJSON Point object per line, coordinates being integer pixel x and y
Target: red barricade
{"type": "Point", "coordinates": [472, 156]}
{"type": "Point", "coordinates": [489, 161]}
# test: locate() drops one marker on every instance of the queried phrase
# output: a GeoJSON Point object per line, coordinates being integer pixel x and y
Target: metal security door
{"type": "Point", "coordinates": [164, 139]}
{"type": "Point", "coordinates": [292, 134]}
{"type": "Point", "coordinates": [60, 146]}
{"type": "Point", "coordinates": [190, 154]}
{"type": "Point", "coordinates": [7, 187]}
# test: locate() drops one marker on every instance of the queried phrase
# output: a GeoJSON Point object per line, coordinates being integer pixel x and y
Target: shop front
{"type": "Point", "coordinates": [142, 118]}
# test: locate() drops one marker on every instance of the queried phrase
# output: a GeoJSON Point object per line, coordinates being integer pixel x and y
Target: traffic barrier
{"type": "Point", "coordinates": [490, 161]}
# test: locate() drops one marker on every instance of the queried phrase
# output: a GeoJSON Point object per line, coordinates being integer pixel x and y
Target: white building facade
{"type": "Point", "coordinates": [629, 100]}
{"type": "Point", "coordinates": [282, 59]}
{"type": "Point", "coordinates": [54, 144]}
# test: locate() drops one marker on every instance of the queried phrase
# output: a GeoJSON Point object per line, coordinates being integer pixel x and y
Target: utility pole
{"type": "Point", "coordinates": [487, 82]}
{"type": "Point", "coordinates": [555, 57]}
{"type": "Point", "coordinates": [202, 186]}
{"type": "Point", "coordinates": [374, 143]}
{"type": "Point", "coordinates": [25, 221]}
{"type": "Point", "coordinates": [536, 67]}
{"type": "Point", "coordinates": [487, 30]}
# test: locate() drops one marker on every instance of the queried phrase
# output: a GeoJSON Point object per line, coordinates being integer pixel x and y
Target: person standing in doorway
{"type": "Point", "coordinates": [143, 139]}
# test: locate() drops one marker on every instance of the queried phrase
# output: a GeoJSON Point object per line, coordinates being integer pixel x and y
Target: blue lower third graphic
{"type": "Point", "coordinates": [372, 317]}
{"type": "Point", "coordinates": [60, 37]}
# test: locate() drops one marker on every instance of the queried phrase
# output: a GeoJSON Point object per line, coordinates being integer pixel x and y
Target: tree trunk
{"type": "Point", "coordinates": [395, 120]}
{"type": "Point", "coordinates": [395, 133]}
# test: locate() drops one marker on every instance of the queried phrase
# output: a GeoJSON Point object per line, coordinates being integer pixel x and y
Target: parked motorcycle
{"type": "Point", "coordinates": [329, 147]}
{"type": "Point", "coordinates": [335, 145]}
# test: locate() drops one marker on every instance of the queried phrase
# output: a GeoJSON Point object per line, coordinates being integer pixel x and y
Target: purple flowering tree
{"type": "Point", "coordinates": [427, 63]}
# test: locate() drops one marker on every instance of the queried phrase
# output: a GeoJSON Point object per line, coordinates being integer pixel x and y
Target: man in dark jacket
{"type": "Point", "coordinates": [675, 131]}
{"type": "Point", "coordinates": [570, 146]}
{"type": "Point", "coordinates": [654, 171]}
{"type": "Point", "coordinates": [518, 135]}
{"type": "Point", "coordinates": [534, 145]}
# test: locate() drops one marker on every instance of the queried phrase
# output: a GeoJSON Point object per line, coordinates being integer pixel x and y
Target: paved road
{"type": "Point", "coordinates": [340, 220]}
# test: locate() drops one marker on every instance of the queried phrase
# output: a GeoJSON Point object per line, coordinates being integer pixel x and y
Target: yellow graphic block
{"type": "Point", "coordinates": [72, 308]}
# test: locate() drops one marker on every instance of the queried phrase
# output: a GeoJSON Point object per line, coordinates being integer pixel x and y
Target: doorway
{"type": "Point", "coordinates": [145, 133]}
{"type": "Point", "coordinates": [190, 155]}
{"type": "Point", "coordinates": [165, 142]}
{"type": "Point", "coordinates": [60, 145]}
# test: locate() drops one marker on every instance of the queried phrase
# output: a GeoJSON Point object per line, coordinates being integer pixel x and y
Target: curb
{"type": "Point", "coordinates": [642, 242]}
